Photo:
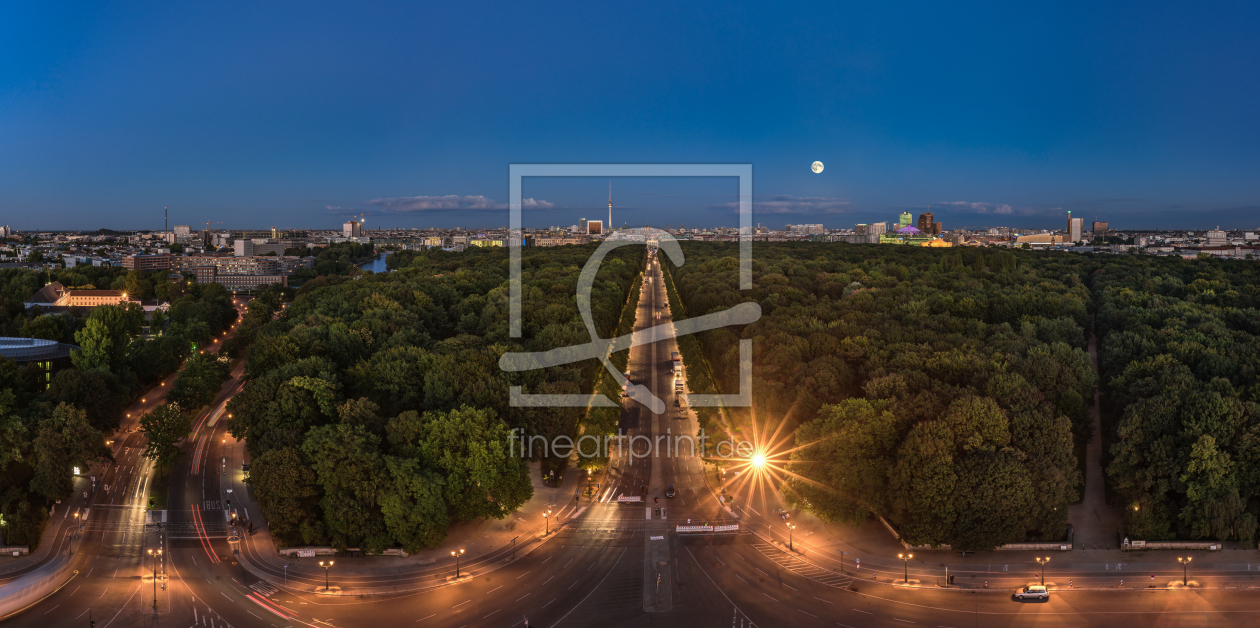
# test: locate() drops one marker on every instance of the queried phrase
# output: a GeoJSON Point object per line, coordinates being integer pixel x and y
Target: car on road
{"type": "Point", "coordinates": [669, 490]}
{"type": "Point", "coordinates": [1032, 592]}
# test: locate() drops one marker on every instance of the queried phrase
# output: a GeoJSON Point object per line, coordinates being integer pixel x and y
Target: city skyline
{"type": "Point", "coordinates": [110, 114]}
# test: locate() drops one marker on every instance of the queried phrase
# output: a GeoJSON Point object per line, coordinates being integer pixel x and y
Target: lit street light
{"type": "Point", "coordinates": [155, 559]}
{"type": "Point", "coordinates": [547, 520]}
{"type": "Point", "coordinates": [905, 573]}
{"type": "Point", "coordinates": [1185, 566]}
{"type": "Point", "coordinates": [790, 527]}
{"type": "Point", "coordinates": [1042, 561]}
{"type": "Point", "coordinates": [457, 555]}
{"type": "Point", "coordinates": [321, 564]}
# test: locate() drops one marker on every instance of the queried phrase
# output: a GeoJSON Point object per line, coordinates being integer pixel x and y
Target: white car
{"type": "Point", "coordinates": [1034, 592]}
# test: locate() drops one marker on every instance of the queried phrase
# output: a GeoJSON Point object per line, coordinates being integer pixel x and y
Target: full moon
{"type": "Point", "coordinates": [816, 167]}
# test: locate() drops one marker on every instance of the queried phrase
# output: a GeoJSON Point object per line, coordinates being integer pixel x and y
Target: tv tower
{"type": "Point", "coordinates": [610, 205]}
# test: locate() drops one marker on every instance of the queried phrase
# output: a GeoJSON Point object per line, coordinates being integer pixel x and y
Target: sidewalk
{"type": "Point", "coordinates": [1094, 523]}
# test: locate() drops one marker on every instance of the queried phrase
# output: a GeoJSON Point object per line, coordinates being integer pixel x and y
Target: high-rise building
{"type": "Point", "coordinates": [610, 222]}
{"type": "Point", "coordinates": [1100, 229]}
{"type": "Point", "coordinates": [582, 225]}
{"type": "Point", "coordinates": [937, 229]}
{"type": "Point", "coordinates": [594, 227]}
{"type": "Point", "coordinates": [877, 228]}
{"type": "Point", "coordinates": [925, 222]}
{"type": "Point", "coordinates": [1075, 228]}
{"type": "Point", "coordinates": [906, 220]}
{"type": "Point", "coordinates": [352, 229]}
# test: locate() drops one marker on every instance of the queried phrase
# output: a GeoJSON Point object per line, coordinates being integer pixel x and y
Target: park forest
{"type": "Point", "coordinates": [375, 412]}
{"type": "Point", "coordinates": [950, 391]}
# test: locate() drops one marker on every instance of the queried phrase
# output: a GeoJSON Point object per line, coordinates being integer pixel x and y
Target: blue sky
{"type": "Point", "coordinates": [1143, 114]}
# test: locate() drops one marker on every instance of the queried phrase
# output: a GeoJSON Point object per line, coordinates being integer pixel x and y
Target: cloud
{"type": "Point", "coordinates": [788, 204]}
{"type": "Point", "coordinates": [1000, 209]}
{"type": "Point", "coordinates": [450, 202]}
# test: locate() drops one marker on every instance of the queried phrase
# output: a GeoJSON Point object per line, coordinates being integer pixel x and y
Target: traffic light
{"type": "Point", "coordinates": [656, 500]}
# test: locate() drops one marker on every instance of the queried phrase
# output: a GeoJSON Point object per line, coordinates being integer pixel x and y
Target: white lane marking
{"type": "Point", "coordinates": [862, 611]}
{"type": "Point", "coordinates": [494, 589]}
{"type": "Point", "coordinates": [810, 614]}
{"type": "Point", "coordinates": [822, 600]}
{"type": "Point", "coordinates": [424, 618]}
{"type": "Point", "coordinates": [768, 595]}
{"type": "Point", "coordinates": [522, 575]}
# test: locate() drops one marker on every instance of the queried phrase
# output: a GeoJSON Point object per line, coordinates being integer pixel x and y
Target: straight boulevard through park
{"type": "Point", "coordinates": [597, 560]}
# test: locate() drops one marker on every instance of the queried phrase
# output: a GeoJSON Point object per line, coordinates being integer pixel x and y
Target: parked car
{"type": "Point", "coordinates": [1033, 592]}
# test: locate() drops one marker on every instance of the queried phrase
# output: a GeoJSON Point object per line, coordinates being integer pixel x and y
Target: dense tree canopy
{"type": "Point", "coordinates": [1179, 356]}
{"type": "Point", "coordinates": [939, 389]}
{"type": "Point", "coordinates": [388, 388]}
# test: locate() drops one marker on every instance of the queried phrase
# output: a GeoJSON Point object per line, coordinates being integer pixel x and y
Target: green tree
{"type": "Point", "coordinates": [64, 440]}
{"type": "Point", "coordinates": [164, 427]}
{"type": "Point", "coordinates": [471, 450]}
{"type": "Point", "coordinates": [412, 504]}
{"type": "Point", "coordinates": [350, 468]}
{"type": "Point", "coordinates": [91, 390]}
{"type": "Point", "coordinates": [288, 494]}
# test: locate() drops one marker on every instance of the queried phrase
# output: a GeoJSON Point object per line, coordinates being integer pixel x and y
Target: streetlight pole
{"type": "Point", "coordinates": [321, 564]}
{"type": "Point", "coordinates": [547, 520]}
{"type": "Point", "coordinates": [155, 559]}
{"type": "Point", "coordinates": [790, 527]}
{"type": "Point", "coordinates": [1042, 562]}
{"type": "Point", "coordinates": [905, 566]}
{"type": "Point", "coordinates": [457, 555]}
{"type": "Point", "coordinates": [1185, 566]}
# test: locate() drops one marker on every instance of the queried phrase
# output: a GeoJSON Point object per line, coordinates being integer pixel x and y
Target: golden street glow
{"type": "Point", "coordinates": [759, 460]}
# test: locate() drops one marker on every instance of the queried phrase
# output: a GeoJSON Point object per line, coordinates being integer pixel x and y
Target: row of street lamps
{"type": "Point", "coordinates": [1041, 560]}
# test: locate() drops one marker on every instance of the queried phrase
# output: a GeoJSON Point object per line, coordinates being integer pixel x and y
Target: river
{"type": "Point", "coordinates": [377, 265]}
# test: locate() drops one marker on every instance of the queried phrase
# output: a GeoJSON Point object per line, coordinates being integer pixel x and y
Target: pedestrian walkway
{"type": "Point", "coordinates": [1094, 522]}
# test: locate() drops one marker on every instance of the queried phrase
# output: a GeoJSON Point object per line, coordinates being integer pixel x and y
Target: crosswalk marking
{"type": "Point", "coordinates": [264, 588]}
{"type": "Point", "coordinates": [802, 568]}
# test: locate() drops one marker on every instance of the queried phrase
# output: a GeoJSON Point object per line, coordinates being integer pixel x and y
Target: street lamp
{"type": "Point", "coordinates": [77, 522]}
{"type": "Point", "coordinates": [1185, 565]}
{"type": "Point", "coordinates": [457, 555]}
{"type": "Point", "coordinates": [1042, 561]}
{"type": "Point", "coordinates": [155, 559]}
{"type": "Point", "coordinates": [547, 521]}
{"type": "Point", "coordinates": [588, 482]}
{"type": "Point", "coordinates": [905, 568]}
{"type": "Point", "coordinates": [326, 567]}
{"type": "Point", "coordinates": [790, 527]}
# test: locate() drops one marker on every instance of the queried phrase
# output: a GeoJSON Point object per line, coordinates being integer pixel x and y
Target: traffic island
{"type": "Point", "coordinates": [328, 591]}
